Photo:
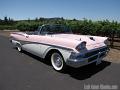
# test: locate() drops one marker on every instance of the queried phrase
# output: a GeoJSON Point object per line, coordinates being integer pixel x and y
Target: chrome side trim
{"type": "Point", "coordinates": [55, 46]}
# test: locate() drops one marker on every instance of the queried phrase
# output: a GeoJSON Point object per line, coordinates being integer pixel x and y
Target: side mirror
{"type": "Point", "coordinates": [26, 35]}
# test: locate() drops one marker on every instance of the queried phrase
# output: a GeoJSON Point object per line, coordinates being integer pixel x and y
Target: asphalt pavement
{"type": "Point", "coordinates": [23, 71]}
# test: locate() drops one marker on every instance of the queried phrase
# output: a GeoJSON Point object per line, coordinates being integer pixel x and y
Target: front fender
{"type": "Point", "coordinates": [64, 52]}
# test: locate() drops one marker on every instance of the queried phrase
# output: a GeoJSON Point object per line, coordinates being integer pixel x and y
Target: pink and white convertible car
{"type": "Point", "coordinates": [61, 46]}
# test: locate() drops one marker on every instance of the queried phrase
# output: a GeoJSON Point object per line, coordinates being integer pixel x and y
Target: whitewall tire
{"type": "Point", "coordinates": [19, 48]}
{"type": "Point", "coordinates": [57, 61]}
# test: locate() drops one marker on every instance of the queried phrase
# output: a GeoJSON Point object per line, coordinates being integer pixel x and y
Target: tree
{"type": "Point", "coordinates": [5, 19]}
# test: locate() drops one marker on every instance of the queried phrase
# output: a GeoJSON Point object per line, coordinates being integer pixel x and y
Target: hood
{"type": "Point", "coordinates": [91, 41]}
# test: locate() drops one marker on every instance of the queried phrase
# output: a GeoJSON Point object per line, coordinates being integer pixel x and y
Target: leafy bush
{"type": "Point", "coordinates": [6, 27]}
{"type": "Point", "coordinates": [103, 28]}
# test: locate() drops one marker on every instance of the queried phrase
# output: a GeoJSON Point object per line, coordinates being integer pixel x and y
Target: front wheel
{"type": "Point", "coordinates": [57, 61]}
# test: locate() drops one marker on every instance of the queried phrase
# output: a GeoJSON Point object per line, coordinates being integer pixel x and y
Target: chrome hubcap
{"type": "Point", "coordinates": [57, 61]}
{"type": "Point", "coordinates": [19, 49]}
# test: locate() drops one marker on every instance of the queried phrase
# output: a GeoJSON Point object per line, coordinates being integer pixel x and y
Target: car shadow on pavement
{"type": "Point", "coordinates": [81, 73]}
{"type": "Point", "coordinates": [87, 71]}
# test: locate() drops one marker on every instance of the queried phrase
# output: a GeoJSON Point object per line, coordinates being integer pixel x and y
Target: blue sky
{"type": "Point", "coordinates": [69, 9]}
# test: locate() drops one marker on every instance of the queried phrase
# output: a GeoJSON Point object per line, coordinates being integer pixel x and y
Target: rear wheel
{"type": "Point", "coordinates": [57, 61]}
{"type": "Point", "coordinates": [19, 48]}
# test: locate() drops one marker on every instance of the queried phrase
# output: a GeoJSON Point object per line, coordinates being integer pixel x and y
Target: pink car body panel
{"type": "Point", "coordinates": [63, 40]}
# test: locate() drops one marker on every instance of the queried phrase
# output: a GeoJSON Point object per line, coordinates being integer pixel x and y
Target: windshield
{"type": "Point", "coordinates": [55, 29]}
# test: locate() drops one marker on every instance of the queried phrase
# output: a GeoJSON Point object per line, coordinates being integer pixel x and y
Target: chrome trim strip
{"type": "Point", "coordinates": [29, 42]}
